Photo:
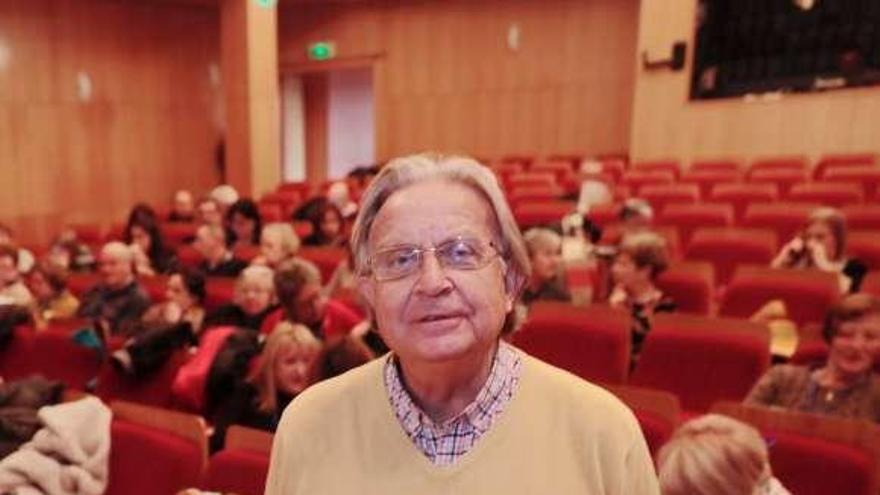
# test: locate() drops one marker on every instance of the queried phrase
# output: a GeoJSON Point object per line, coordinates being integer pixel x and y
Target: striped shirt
{"type": "Point", "coordinates": [446, 442]}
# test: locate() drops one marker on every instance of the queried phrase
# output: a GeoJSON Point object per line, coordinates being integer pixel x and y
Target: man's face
{"type": "Point", "coordinates": [8, 270]}
{"type": "Point", "coordinates": [183, 203]}
{"type": "Point", "coordinates": [438, 313]}
{"type": "Point", "coordinates": [209, 213]}
{"type": "Point", "coordinates": [206, 243]}
{"type": "Point", "coordinates": [116, 270]}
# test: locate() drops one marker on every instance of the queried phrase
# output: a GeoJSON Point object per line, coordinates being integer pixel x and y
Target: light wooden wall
{"type": "Point", "coordinates": [151, 125]}
{"type": "Point", "coordinates": [445, 79]}
{"type": "Point", "coordinates": [666, 124]}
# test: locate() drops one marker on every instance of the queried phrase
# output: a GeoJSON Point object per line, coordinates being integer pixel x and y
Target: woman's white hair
{"type": "Point", "coordinates": [406, 171]}
{"type": "Point", "coordinates": [289, 240]}
{"type": "Point", "coordinates": [713, 455]}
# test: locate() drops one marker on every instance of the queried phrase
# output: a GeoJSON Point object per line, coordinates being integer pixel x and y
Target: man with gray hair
{"type": "Point", "coordinates": [453, 408]}
{"type": "Point", "coordinates": [118, 300]}
{"type": "Point", "coordinates": [218, 260]}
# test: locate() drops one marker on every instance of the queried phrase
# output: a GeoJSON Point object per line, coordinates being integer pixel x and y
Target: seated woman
{"type": "Point", "coordinates": [282, 372]}
{"type": "Point", "coordinates": [48, 284]}
{"type": "Point", "coordinates": [822, 245]}
{"type": "Point", "coordinates": [143, 235]}
{"type": "Point", "coordinates": [166, 326]}
{"type": "Point", "coordinates": [641, 258]}
{"type": "Point", "coordinates": [846, 385]}
{"type": "Point", "coordinates": [254, 300]}
{"type": "Point", "coordinates": [245, 224]}
{"type": "Point", "coordinates": [328, 227]}
{"type": "Point", "coordinates": [545, 253]}
{"type": "Point", "coordinates": [278, 243]}
{"type": "Point", "coordinates": [716, 455]}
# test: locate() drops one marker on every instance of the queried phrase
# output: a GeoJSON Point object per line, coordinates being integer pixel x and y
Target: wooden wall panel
{"type": "Point", "coordinates": [149, 127]}
{"type": "Point", "coordinates": [446, 80]}
{"type": "Point", "coordinates": [666, 124]}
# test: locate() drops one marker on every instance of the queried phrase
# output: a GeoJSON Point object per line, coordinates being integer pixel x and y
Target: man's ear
{"type": "Point", "coordinates": [513, 285]}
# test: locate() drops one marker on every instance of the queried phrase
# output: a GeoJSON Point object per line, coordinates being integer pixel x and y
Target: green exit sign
{"type": "Point", "coordinates": [322, 50]}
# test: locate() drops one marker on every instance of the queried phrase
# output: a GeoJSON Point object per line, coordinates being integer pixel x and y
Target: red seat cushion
{"type": "Point", "coordinates": [152, 389]}
{"type": "Point", "coordinates": [592, 343]}
{"type": "Point", "coordinates": [237, 471]}
{"type": "Point", "coordinates": [812, 466]}
{"type": "Point", "coordinates": [146, 461]}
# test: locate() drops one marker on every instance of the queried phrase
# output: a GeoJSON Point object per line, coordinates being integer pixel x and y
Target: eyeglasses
{"type": "Point", "coordinates": [460, 253]}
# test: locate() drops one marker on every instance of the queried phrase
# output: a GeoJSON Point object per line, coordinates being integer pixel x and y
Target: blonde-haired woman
{"type": "Point", "coordinates": [545, 253]}
{"type": "Point", "coordinates": [278, 243]}
{"type": "Point", "coordinates": [282, 371]}
{"type": "Point", "coordinates": [716, 455]}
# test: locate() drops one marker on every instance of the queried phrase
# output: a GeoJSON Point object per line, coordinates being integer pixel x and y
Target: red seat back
{"type": "Point", "coordinates": [534, 213]}
{"type": "Point", "coordinates": [690, 284]}
{"type": "Point", "coordinates": [325, 258]}
{"type": "Point", "coordinates": [153, 389]}
{"type": "Point", "coordinates": [807, 293]}
{"type": "Point", "coordinates": [660, 195]}
{"type": "Point", "coordinates": [177, 233]}
{"type": "Point", "coordinates": [591, 342]}
{"type": "Point", "coordinates": [707, 179]}
{"type": "Point", "coordinates": [710, 363]}
{"type": "Point", "coordinates": [638, 178]}
{"type": "Point", "coordinates": [742, 194]}
{"type": "Point", "coordinates": [786, 219]}
{"type": "Point", "coordinates": [813, 466]}
{"type": "Point", "coordinates": [688, 218]}
{"type": "Point", "coordinates": [670, 166]}
{"type": "Point", "coordinates": [865, 245]}
{"type": "Point", "coordinates": [784, 163]}
{"type": "Point", "coordinates": [837, 162]}
{"type": "Point", "coordinates": [863, 216]}
{"type": "Point", "coordinates": [727, 247]}
{"type": "Point", "coordinates": [827, 193]}
{"type": "Point", "coordinates": [218, 291]}
{"type": "Point", "coordinates": [868, 177]}
{"type": "Point", "coordinates": [715, 166]}
{"type": "Point", "coordinates": [237, 471]}
{"type": "Point", "coordinates": [148, 461]}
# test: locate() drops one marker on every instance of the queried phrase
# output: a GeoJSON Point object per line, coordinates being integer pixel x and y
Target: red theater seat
{"type": "Point", "coordinates": [604, 215]}
{"type": "Point", "coordinates": [635, 179]}
{"type": "Point", "coordinates": [707, 179]}
{"type": "Point", "coordinates": [242, 466]}
{"type": "Point", "coordinates": [270, 211]}
{"type": "Point", "coordinates": [871, 284]}
{"type": "Point", "coordinates": [815, 455]}
{"type": "Point", "coordinates": [534, 193]}
{"type": "Point", "coordinates": [531, 179]}
{"type": "Point", "coordinates": [868, 177]}
{"type": "Point", "coordinates": [55, 355]}
{"type": "Point", "coordinates": [786, 219]}
{"type": "Point", "coordinates": [690, 284]}
{"type": "Point", "coordinates": [218, 291]}
{"type": "Point", "coordinates": [658, 412]}
{"type": "Point", "coordinates": [715, 166]}
{"type": "Point", "coordinates": [701, 362]}
{"type": "Point", "coordinates": [534, 213]}
{"type": "Point", "coordinates": [155, 451]}
{"type": "Point", "coordinates": [742, 194]}
{"type": "Point", "coordinates": [80, 283]}
{"type": "Point", "coordinates": [188, 256]}
{"type": "Point", "coordinates": [727, 247]}
{"type": "Point", "coordinates": [155, 286]}
{"type": "Point", "coordinates": [660, 195]}
{"type": "Point", "coordinates": [176, 233]}
{"type": "Point", "coordinates": [153, 389]}
{"type": "Point", "coordinates": [612, 234]}
{"type": "Point", "coordinates": [592, 342]}
{"type": "Point", "coordinates": [778, 163]}
{"type": "Point", "coordinates": [562, 169]}
{"type": "Point", "coordinates": [838, 162]}
{"type": "Point", "coordinates": [865, 245]}
{"type": "Point", "coordinates": [326, 259]}
{"type": "Point", "coordinates": [246, 253]}
{"type": "Point", "coordinates": [807, 293]}
{"type": "Point", "coordinates": [670, 166]}
{"type": "Point", "coordinates": [784, 179]}
{"type": "Point", "coordinates": [827, 193]}
{"type": "Point", "coordinates": [688, 218]}
{"type": "Point", "coordinates": [863, 216]}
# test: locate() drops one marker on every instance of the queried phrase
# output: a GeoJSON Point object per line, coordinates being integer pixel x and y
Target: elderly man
{"type": "Point", "coordinates": [118, 300]}
{"type": "Point", "coordinates": [209, 212]}
{"type": "Point", "coordinates": [13, 292]}
{"type": "Point", "coordinates": [453, 408]}
{"type": "Point", "coordinates": [183, 209]}
{"type": "Point", "coordinates": [218, 259]}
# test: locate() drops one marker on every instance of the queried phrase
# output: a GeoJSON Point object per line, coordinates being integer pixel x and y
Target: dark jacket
{"type": "Point", "coordinates": [122, 308]}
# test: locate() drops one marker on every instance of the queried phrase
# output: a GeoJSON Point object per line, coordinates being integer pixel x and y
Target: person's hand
{"type": "Point", "coordinates": [790, 253]}
{"type": "Point", "coordinates": [819, 256]}
{"type": "Point", "coordinates": [617, 298]}
{"type": "Point", "coordinates": [172, 312]}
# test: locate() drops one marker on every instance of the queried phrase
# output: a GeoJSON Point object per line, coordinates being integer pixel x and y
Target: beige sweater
{"type": "Point", "coordinates": [559, 435]}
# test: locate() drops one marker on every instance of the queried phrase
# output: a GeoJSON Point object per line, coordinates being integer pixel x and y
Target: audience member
{"type": "Point", "coordinates": [328, 227]}
{"type": "Point", "coordinates": [13, 292]}
{"type": "Point", "coordinates": [716, 455]}
{"type": "Point", "coordinates": [184, 300]}
{"type": "Point", "coordinates": [183, 209]}
{"type": "Point", "coordinates": [225, 196]}
{"type": "Point", "coordinates": [243, 220]}
{"type": "Point", "coordinates": [298, 285]}
{"type": "Point", "coordinates": [117, 301]}
{"type": "Point", "coordinates": [642, 256]}
{"type": "Point", "coordinates": [339, 356]}
{"type": "Point", "coordinates": [822, 245]}
{"type": "Point", "coordinates": [48, 284]}
{"type": "Point", "coordinates": [254, 300]}
{"type": "Point", "coordinates": [846, 384]}
{"type": "Point", "coordinates": [338, 196]}
{"type": "Point", "coordinates": [281, 373]}
{"type": "Point", "coordinates": [635, 215]}
{"type": "Point", "coordinates": [68, 252]}
{"type": "Point", "coordinates": [278, 243]}
{"type": "Point", "coordinates": [142, 234]}
{"type": "Point", "coordinates": [209, 212]}
{"type": "Point", "coordinates": [25, 258]}
{"type": "Point", "coordinates": [219, 261]}
{"type": "Point", "coordinates": [547, 282]}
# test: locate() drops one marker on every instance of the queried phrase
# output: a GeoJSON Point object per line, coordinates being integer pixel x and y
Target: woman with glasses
{"type": "Point", "coordinates": [452, 408]}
